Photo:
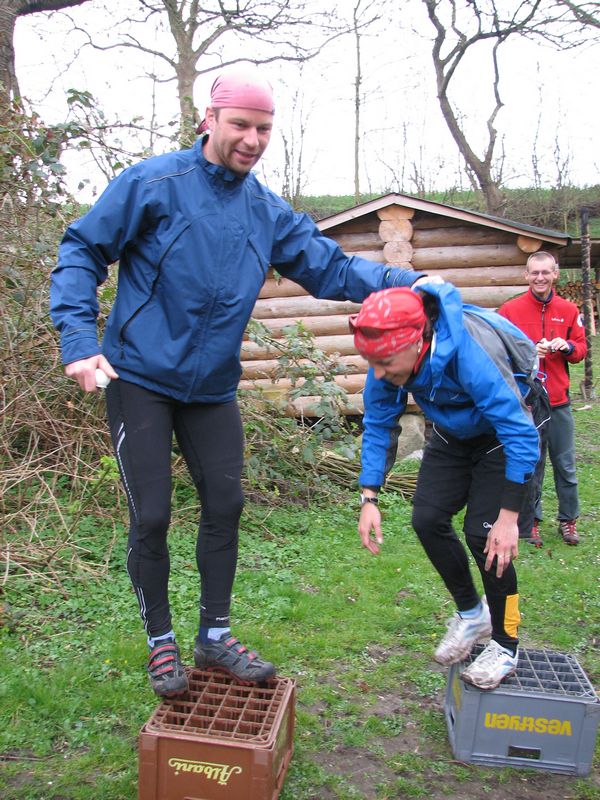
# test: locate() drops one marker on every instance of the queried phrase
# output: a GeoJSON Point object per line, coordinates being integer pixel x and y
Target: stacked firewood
{"type": "Point", "coordinates": [573, 291]}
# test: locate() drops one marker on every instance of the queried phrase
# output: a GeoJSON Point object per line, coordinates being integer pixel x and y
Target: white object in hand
{"type": "Point", "coordinates": [102, 379]}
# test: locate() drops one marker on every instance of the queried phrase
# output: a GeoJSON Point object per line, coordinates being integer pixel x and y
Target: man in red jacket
{"type": "Point", "coordinates": [555, 325]}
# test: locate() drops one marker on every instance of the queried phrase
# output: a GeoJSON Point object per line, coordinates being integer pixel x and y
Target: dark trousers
{"type": "Point", "coordinates": [456, 473]}
{"type": "Point", "coordinates": [560, 445]}
{"type": "Point", "coordinates": [210, 437]}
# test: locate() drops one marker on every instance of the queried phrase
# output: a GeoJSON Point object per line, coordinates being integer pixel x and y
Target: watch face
{"type": "Point", "coordinates": [364, 499]}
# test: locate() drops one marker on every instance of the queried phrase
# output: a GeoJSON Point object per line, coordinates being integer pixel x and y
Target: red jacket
{"type": "Point", "coordinates": [547, 319]}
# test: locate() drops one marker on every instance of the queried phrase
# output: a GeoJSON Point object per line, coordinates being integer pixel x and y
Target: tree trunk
{"type": "Point", "coordinates": [9, 87]}
{"type": "Point", "coordinates": [186, 75]}
{"type": "Point", "coordinates": [357, 103]}
{"type": "Point", "coordinates": [445, 67]}
{"type": "Point", "coordinates": [10, 10]}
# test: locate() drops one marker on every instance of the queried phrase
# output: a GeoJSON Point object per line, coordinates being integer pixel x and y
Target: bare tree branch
{"type": "Point", "coordinates": [278, 29]}
{"type": "Point", "coordinates": [461, 25]}
{"type": "Point", "coordinates": [10, 11]}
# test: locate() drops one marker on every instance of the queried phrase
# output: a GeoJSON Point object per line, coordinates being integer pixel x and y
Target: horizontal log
{"type": "Point", "coordinates": [309, 406]}
{"type": "Point", "coordinates": [351, 383]}
{"type": "Point", "coordinates": [460, 235]}
{"type": "Point", "coordinates": [369, 255]}
{"type": "Point", "coordinates": [489, 297]}
{"type": "Point", "coordinates": [342, 344]}
{"type": "Point", "coordinates": [281, 288]}
{"type": "Point", "coordinates": [396, 212]}
{"type": "Point", "coordinates": [302, 406]}
{"type": "Point", "coordinates": [484, 255]}
{"type": "Point", "coordinates": [481, 276]}
{"type": "Point", "coordinates": [328, 325]}
{"type": "Point", "coordinates": [270, 368]}
{"type": "Point", "coordinates": [359, 241]}
{"type": "Point", "coordinates": [398, 252]}
{"type": "Point", "coordinates": [395, 230]}
{"type": "Point", "coordinates": [294, 307]}
{"type": "Point", "coordinates": [354, 406]}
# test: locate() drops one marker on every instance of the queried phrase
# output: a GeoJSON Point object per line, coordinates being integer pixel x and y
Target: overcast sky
{"type": "Point", "coordinates": [550, 105]}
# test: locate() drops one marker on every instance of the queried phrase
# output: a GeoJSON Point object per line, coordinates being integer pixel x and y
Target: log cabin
{"type": "Point", "coordinates": [483, 256]}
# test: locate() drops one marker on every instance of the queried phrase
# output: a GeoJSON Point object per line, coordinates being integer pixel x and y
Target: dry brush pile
{"type": "Point", "coordinates": [49, 436]}
{"type": "Point", "coordinates": [60, 503]}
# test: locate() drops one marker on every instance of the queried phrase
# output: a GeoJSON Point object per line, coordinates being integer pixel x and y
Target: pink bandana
{"type": "Point", "coordinates": [242, 88]}
{"type": "Point", "coordinates": [388, 322]}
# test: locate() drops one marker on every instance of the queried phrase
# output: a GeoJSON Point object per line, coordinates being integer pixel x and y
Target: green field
{"type": "Point", "coordinates": [354, 631]}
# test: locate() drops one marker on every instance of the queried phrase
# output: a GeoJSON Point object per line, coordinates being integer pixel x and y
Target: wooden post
{"type": "Point", "coordinates": [588, 313]}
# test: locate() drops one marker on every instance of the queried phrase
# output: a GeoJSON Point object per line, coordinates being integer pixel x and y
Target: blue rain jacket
{"type": "Point", "coordinates": [194, 242]}
{"type": "Point", "coordinates": [469, 384]}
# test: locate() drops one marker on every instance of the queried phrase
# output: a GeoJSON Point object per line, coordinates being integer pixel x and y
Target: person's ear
{"type": "Point", "coordinates": [210, 117]}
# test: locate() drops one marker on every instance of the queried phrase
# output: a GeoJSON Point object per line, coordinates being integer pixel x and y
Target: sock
{"type": "Point", "coordinates": [152, 640]}
{"type": "Point", "coordinates": [471, 613]}
{"type": "Point", "coordinates": [205, 633]}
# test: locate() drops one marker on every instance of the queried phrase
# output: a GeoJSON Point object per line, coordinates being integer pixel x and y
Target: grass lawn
{"type": "Point", "coordinates": [356, 632]}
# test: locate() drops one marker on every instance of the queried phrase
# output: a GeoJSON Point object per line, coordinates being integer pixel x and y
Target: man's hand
{"type": "Point", "coordinates": [545, 346]}
{"type": "Point", "coordinates": [369, 527]}
{"type": "Point", "coordinates": [84, 371]}
{"type": "Point", "coordinates": [503, 541]}
{"type": "Point", "coordinates": [557, 344]}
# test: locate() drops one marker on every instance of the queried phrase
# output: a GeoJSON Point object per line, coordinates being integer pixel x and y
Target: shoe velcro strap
{"type": "Point", "coordinates": [160, 661]}
{"type": "Point", "coordinates": [162, 670]}
{"type": "Point", "coordinates": [162, 648]}
{"type": "Point", "coordinates": [162, 654]}
{"type": "Point", "coordinates": [232, 642]}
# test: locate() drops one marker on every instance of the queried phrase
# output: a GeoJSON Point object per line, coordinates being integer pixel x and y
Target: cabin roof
{"type": "Point", "coordinates": [441, 209]}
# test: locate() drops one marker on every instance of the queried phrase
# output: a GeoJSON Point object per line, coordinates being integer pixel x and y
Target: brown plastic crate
{"type": "Point", "coordinates": [220, 740]}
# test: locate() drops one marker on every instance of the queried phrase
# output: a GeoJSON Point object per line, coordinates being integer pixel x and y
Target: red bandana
{"type": "Point", "coordinates": [388, 322]}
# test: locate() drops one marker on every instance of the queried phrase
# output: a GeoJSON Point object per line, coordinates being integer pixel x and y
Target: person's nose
{"type": "Point", "coordinates": [251, 138]}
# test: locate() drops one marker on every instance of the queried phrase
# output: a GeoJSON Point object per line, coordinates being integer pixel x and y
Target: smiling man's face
{"type": "Point", "coordinates": [541, 275]}
{"type": "Point", "coordinates": [238, 137]}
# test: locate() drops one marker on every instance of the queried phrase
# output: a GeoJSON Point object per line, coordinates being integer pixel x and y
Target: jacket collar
{"type": "Point", "coordinates": [216, 171]}
{"type": "Point", "coordinates": [538, 299]}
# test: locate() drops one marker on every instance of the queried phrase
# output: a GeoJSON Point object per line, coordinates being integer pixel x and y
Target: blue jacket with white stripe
{"type": "Point", "coordinates": [469, 384]}
{"type": "Point", "coordinates": [194, 242]}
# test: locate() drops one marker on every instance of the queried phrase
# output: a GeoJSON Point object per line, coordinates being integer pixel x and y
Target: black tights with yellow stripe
{"type": "Point", "coordinates": [466, 474]}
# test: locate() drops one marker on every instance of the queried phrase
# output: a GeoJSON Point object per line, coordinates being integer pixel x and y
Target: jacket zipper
{"type": "Point", "coordinates": [128, 322]}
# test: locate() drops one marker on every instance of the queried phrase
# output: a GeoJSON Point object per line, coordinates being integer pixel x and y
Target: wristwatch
{"type": "Point", "coordinates": [364, 499]}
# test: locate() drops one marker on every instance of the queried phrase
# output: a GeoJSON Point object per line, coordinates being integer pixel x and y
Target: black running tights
{"type": "Point", "coordinates": [210, 438]}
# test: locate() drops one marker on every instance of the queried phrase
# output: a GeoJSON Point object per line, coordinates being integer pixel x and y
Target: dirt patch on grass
{"type": "Point", "coordinates": [371, 777]}
{"type": "Point", "coordinates": [418, 762]}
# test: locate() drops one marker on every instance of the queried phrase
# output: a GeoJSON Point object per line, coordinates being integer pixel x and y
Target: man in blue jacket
{"type": "Point", "coordinates": [194, 233]}
{"type": "Point", "coordinates": [471, 372]}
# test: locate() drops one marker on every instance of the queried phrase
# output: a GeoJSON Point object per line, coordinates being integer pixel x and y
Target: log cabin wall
{"type": "Point", "coordinates": [487, 264]}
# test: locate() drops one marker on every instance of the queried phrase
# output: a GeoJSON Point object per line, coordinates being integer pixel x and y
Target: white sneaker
{"type": "Point", "coordinates": [462, 634]}
{"type": "Point", "coordinates": [491, 666]}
